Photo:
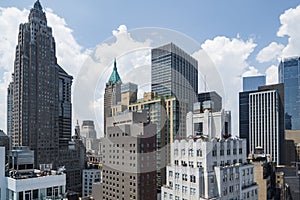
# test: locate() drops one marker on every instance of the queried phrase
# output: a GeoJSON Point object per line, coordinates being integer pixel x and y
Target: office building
{"type": "Point", "coordinates": [266, 121]}
{"type": "Point", "coordinates": [292, 146]}
{"type": "Point", "coordinates": [209, 169]}
{"type": "Point", "coordinates": [174, 73]}
{"type": "Point", "coordinates": [64, 107]}
{"type": "Point", "coordinates": [41, 92]}
{"type": "Point", "coordinates": [10, 107]}
{"type": "Point", "coordinates": [169, 118]}
{"type": "Point", "coordinates": [129, 158]}
{"type": "Point", "coordinates": [261, 119]}
{"type": "Point", "coordinates": [264, 173]}
{"type": "Point", "coordinates": [26, 182]}
{"type": "Point", "coordinates": [4, 140]}
{"type": "Point", "coordinates": [214, 97]}
{"type": "Point", "coordinates": [289, 75]}
{"type": "Point", "coordinates": [90, 177]}
{"type": "Point", "coordinates": [112, 93]}
{"type": "Point", "coordinates": [88, 136]}
{"type": "Point", "coordinates": [251, 83]}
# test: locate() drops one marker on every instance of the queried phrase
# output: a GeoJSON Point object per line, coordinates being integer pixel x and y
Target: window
{"type": "Point", "coordinates": [170, 173]}
{"type": "Point", "coordinates": [191, 152]}
{"type": "Point", "coordinates": [182, 152]}
{"type": "Point", "coordinates": [199, 153]}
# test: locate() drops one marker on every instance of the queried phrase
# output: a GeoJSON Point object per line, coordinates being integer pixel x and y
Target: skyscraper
{"type": "Point", "coordinates": [174, 73]}
{"type": "Point", "coordinates": [129, 158]}
{"type": "Point", "coordinates": [112, 93]}
{"type": "Point", "coordinates": [253, 82]}
{"type": "Point", "coordinates": [289, 74]}
{"type": "Point", "coordinates": [262, 120]}
{"type": "Point", "coordinates": [42, 91]}
{"type": "Point", "coordinates": [10, 107]}
{"type": "Point", "coordinates": [212, 96]}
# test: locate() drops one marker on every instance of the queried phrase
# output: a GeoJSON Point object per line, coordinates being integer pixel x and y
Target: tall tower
{"type": "Point", "coordinates": [289, 74]}
{"type": "Point", "coordinates": [10, 108]}
{"type": "Point", "coordinates": [42, 91]}
{"type": "Point", "coordinates": [112, 93]}
{"type": "Point", "coordinates": [174, 73]}
{"type": "Point", "coordinates": [262, 120]}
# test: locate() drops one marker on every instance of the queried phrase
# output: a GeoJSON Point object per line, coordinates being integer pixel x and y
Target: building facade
{"type": "Point", "coordinates": [174, 73]}
{"type": "Point", "coordinates": [169, 118]}
{"type": "Point", "coordinates": [129, 158]}
{"type": "Point", "coordinates": [212, 124]}
{"type": "Point", "coordinates": [112, 94]}
{"type": "Point", "coordinates": [251, 83]}
{"type": "Point", "coordinates": [266, 121]}
{"type": "Point", "coordinates": [41, 92]}
{"type": "Point", "coordinates": [38, 184]}
{"type": "Point", "coordinates": [264, 174]}
{"type": "Point", "coordinates": [88, 136]}
{"type": "Point", "coordinates": [90, 177]}
{"type": "Point", "coordinates": [10, 107]}
{"type": "Point", "coordinates": [261, 119]}
{"type": "Point", "coordinates": [289, 74]}
{"type": "Point", "coordinates": [209, 169]}
{"type": "Point", "coordinates": [213, 97]}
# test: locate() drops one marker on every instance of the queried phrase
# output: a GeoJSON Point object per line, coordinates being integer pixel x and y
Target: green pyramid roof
{"type": "Point", "coordinates": [114, 77]}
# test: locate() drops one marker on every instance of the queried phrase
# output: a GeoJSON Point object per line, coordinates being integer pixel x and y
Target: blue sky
{"type": "Point", "coordinates": [93, 21]}
{"type": "Point", "coordinates": [241, 38]}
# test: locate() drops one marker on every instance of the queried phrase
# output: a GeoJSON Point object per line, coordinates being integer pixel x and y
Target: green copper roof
{"type": "Point", "coordinates": [114, 77]}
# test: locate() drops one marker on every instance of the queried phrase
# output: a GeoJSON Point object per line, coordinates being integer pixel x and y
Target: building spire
{"type": "Point", "coordinates": [37, 5]}
{"type": "Point", "coordinates": [114, 77]}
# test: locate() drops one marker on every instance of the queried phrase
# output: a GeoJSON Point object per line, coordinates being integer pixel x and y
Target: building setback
{"type": "Point", "coordinates": [129, 158]}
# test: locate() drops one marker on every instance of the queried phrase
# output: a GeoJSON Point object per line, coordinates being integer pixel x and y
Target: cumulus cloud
{"type": "Point", "coordinates": [290, 27]}
{"type": "Point", "coordinates": [132, 56]}
{"type": "Point", "coordinates": [272, 75]}
{"type": "Point", "coordinates": [270, 53]}
{"type": "Point", "coordinates": [70, 54]}
{"type": "Point", "coordinates": [228, 61]}
{"type": "Point", "coordinates": [252, 71]}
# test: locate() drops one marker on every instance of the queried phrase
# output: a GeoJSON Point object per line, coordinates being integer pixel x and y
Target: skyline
{"type": "Point", "coordinates": [233, 55]}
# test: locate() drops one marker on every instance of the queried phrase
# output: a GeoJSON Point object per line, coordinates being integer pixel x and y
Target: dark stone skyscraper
{"type": "Point", "coordinates": [42, 91]}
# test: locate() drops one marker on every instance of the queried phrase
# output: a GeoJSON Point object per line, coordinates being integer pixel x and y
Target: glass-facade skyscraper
{"type": "Point", "coordinates": [253, 82]}
{"type": "Point", "coordinates": [289, 74]}
{"type": "Point", "coordinates": [174, 73]}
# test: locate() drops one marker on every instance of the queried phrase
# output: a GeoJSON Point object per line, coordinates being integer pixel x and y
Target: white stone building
{"type": "Point", "coordinates": [214, 124]}
{"type": "Point", "coordinates": [36, 185]}
{"type": "Point", "coordinates": [209, 169]}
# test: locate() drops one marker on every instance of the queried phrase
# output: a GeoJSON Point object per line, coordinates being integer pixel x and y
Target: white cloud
{"type": "Point", "coordinates": [70, 54]}
{"type": "Point", "coordinates": [10, 18]}
{"type": "Point", "coordinates": [252, 71]}
{"type": "Point", "coordinates": [290, 27]}
{"type": "Point", "coordinates": [270, 53]}
{"type": "Point", "coordinates": [223, 73]}
{"type": "Point", "coordinates": [272, 75]}
{"type": "Point", "coordinates": [132, 57]}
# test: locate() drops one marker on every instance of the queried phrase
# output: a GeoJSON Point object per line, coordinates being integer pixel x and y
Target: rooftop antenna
{"type": "Point", "coordinates": [204, 83]}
